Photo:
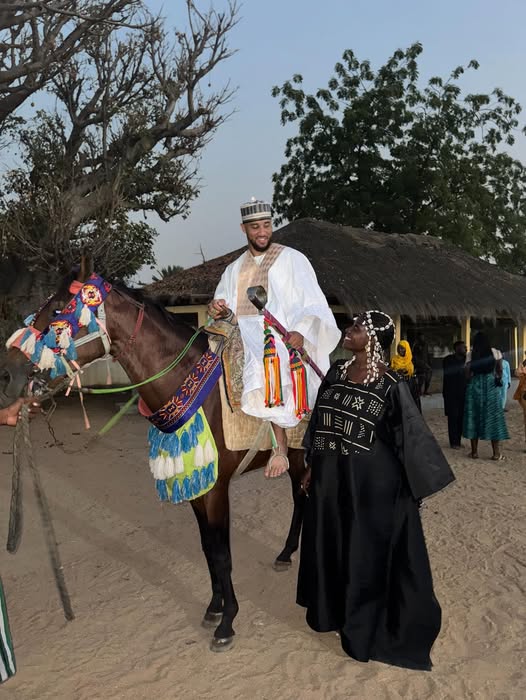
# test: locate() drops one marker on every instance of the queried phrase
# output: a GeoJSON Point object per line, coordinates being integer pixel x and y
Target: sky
{"type": "Point", "coordinates": [275, 39]}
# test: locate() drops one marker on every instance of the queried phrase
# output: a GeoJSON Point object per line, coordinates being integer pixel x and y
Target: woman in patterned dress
{"type": "Point", "coordinates": [364, 570]}
{"type": "Point", "coordinates": [483, 411]}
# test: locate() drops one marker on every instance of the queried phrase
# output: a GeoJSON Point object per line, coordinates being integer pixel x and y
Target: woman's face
{"type": "Point", "coordinates": [356, 338]}
{"type": "Point", "coordinates": [401, 350]}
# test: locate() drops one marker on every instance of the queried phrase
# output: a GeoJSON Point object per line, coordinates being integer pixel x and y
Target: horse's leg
{"type": "Point", "coordinates": [218, 538]}
{"type": "Point", "coordinates": [214, 611]}
{"type": "Point", "coordinates": [296, 473]}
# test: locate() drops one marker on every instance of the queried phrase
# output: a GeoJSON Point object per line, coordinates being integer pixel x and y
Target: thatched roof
{"type": "Point", "coordinates": [400, 274]}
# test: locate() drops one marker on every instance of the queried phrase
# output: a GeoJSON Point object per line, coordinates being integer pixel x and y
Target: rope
{"type": "Point", "coordinates": [116, 418]}
{"type": "Point", "coordinates": [23, 440]}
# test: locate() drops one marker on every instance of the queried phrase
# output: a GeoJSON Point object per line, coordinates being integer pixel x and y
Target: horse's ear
{"type": "Point", "coordinates": [86, 266]}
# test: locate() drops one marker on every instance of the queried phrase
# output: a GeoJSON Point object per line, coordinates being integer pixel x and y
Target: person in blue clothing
{"type": "Point", "coordinates": [506, 381]}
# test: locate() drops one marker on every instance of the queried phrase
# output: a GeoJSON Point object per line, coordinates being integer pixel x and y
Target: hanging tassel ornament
{"type": "Point", "coordinates": [299, 383]}
{"type": "Point", "coordinates": [273, 393]}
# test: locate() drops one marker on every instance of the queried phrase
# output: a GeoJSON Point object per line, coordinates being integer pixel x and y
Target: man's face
{"type": "Point", "coordinates": [259, 235]}
{"type": "Point", "coordinates": [460, 349]}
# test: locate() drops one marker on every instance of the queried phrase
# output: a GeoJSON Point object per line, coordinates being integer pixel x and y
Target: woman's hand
{"type": "Point", "coordinates": [305, 481]}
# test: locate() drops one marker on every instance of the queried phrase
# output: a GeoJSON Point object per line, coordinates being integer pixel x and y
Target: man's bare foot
{"type": "Point", "coordinates": [278, 463]}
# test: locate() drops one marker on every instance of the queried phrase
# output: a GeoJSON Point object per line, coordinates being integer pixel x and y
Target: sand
{"type": "Point", "coordinates": [139, 584]}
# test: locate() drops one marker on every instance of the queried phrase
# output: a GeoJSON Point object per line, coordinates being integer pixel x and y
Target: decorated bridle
{"type": "Point", "coordinates": [55, 348]}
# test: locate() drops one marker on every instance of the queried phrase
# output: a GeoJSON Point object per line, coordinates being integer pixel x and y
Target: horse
{"type": "Point", "coordinates": [145, 338]}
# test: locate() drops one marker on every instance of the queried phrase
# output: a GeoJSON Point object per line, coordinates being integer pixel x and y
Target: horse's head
{"type": "Point", "coordinates": [50, 347]}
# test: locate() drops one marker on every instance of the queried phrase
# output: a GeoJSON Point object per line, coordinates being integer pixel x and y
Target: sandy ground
{"type": "Point", "coordinates": [139, 584]}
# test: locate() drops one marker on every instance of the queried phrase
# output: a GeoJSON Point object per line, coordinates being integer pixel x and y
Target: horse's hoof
{"type": "Point", "coordinates": [221, 644]}
{"type": "Point", "coordinates": [211, 619]}
{"type": "Point", "coordinates": [281, 565]}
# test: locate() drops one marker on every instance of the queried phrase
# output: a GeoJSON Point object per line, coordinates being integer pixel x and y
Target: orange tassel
{"type": "Point", "coordinates": [271, 364]}
{"type": "Point", "coordinates": [299, 384]}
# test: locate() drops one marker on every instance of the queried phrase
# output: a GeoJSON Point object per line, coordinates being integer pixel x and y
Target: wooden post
{"type": "Point", "coordinates": [515, 347]}
{"type": "Point", "coordinates": [465, 331]}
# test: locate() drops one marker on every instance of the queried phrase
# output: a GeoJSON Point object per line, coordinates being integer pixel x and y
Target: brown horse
{"type": "Point", "coordinates": [143, 349]}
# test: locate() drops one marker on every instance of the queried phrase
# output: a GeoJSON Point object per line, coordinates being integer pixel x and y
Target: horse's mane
{"type": "Point", "coordinates": [152, 306]}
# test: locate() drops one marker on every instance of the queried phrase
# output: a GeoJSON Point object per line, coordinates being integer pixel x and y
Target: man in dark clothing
{"type": "Point", "coordinates": [454, 391]}
{"type": "Point", "coordinates": [422, 365]}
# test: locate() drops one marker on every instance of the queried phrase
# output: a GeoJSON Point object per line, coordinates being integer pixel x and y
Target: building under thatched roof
{"type": "Point", "coordinates": [407, 274]}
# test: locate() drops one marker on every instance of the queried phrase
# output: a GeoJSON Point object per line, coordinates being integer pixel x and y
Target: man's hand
{"type": "Point", "coordinates": [295, 340]}
{"type": "Point", "coordinates": [11, 414]}
{"type": "Point", "coordinates": [218, 308]}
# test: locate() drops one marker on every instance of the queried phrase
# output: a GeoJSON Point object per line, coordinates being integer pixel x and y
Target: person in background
{"type": "Point", "coordinates": [421, 361]}
{"type": "Point", "coordinates": [454, 392]}
{"type": "Point", "coordinates": [520, 391]}
{"type": "Point", "coordinates": [506, 381]}
{"type": "Point", "coordinates": [483, 414]}
{"type": "Point", "coordinates": [402, 363]}
{"type": "Point", "coordinates": [364, 568]}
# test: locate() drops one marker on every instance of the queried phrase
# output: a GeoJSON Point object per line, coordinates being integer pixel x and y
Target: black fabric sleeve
{"type": "Point", "coordinates": [425, 465]}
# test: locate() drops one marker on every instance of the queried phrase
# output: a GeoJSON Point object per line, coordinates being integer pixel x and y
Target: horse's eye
{"type": "Point", "coordinates": [57, 307]}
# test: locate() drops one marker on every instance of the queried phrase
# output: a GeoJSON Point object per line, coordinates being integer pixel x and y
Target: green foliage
{"type": "Point", "coordinates": [134, 106]}
{"type": "Point", "coordinates": [35, 215]}
{"type": "Point", "coordinates": [168, 271]}
{"type": "Point", "coordinates": [374, 150]}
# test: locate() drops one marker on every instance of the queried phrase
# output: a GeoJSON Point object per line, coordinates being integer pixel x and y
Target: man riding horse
{"type": "Point", "coordinates": [270, 390]}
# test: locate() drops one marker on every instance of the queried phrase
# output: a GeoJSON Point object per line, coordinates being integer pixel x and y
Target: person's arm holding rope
{"type": "Point", "coordinates": [10, 414]}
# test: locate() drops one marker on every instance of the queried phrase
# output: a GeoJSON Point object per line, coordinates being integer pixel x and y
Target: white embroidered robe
{"type": "Point", "coordinates": [296, 300]}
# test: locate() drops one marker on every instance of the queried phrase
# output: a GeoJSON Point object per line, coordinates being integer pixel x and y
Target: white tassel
{"type": "Point", "coordinates": [157, 467]}
{"type": "Point", "coordinates": [179, 464]}
{"type": "Point", "coordinates": [85, 316]}
{"type": "Point", "coordinates": [64, 340]}
{"type": "Point", "coordinates": [28, 346]}
{"type": "Point", "coordinates": [14, 337]}
{"type": "Point", "coordinates": [153, 466]}
{"type": "Point", "coordinates": [169, 467]}
{"type": "Point", "coordinates": [209, 453]}
{"type": "Point", "coordinates": [47, 359]}
{"type": "Point", "coordinates": [199, 457]}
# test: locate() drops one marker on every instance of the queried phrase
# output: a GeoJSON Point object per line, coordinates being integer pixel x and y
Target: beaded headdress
{"type": "Point", "coordinates": [374, 348]}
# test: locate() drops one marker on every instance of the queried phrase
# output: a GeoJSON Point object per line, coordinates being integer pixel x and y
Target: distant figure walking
{"type": "Point", "coordinates": [483, 413]}
{"type": "Point", "coordinates": [421, 361]}
{"type": "Point", "coordinates": [454, 392]}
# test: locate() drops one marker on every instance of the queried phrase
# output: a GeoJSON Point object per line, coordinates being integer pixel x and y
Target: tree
{"type": "Point", "coordinates": [135, 109]}
{"type": "Point", "coordinates": [168, 271]}
{"type": "Point", "coordinates": [375, 150]}
{"type": "Point", "coordinates": [38, 38]}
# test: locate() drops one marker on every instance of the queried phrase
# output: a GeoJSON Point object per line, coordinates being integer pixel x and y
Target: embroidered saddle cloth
{"type": "Point", "coordinates": [225, 340]}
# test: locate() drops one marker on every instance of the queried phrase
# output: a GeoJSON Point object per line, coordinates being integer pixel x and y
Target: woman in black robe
{"type": "Point", "coordinates": [364, 569]}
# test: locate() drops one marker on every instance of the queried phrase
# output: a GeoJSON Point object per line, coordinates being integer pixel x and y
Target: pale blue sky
{"type": "Point", "coordinates": [277, 38]}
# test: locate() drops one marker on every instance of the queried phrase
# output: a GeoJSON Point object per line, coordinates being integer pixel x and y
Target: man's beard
{"type": "Point", "coordinates": [261, 248]}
